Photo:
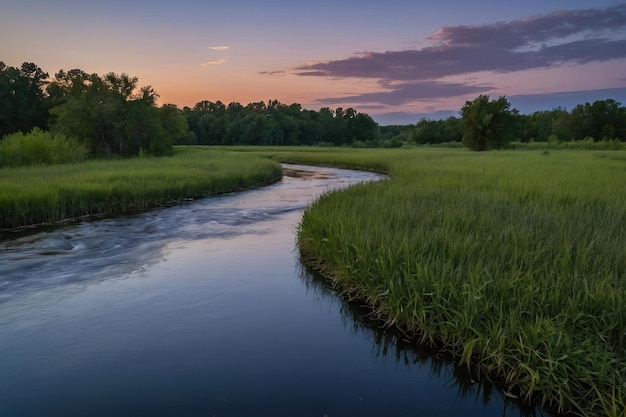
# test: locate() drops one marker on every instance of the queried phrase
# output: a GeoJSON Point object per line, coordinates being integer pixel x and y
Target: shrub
{"type": "Point", "coordinates": [393, 143]}
{"type": "Point", "coordinates": [39, 148]}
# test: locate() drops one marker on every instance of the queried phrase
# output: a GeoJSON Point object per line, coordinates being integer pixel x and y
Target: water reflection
{"type": "Point", "coordinates": [392, 347]}
{"type": "Point", "coordinates": [196, 310]}
{"type": "Point", "coordinates": [39, 259]}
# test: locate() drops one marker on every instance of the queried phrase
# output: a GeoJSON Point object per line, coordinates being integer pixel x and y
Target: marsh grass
{"type": "Point", "coordinates": [513, 261]}
{"type": "Point", "coordinates": [49, 194]}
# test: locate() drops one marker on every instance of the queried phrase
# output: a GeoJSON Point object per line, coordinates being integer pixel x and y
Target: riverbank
{"type": "Point", "coordinates": [512, 261]}
{"type": "Point", "coordinates": [51, 194]}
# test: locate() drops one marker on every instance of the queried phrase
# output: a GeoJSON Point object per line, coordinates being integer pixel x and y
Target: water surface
{"type": "Point", "coordinates": [205, 310]}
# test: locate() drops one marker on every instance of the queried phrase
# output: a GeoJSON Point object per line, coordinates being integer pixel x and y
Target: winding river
{"type": "Point", "coordinates": [204, 309]}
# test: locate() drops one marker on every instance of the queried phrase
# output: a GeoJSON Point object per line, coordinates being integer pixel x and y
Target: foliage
{"type": "Point", "coordinates": [111, 115]}
{"type": "Point", "coordinates": [48, 194]}
{"type": "Point", "coordinates": [437, 131]}
{"type": "Point", "coordinates": [519, 273]}
{"type": "Point", "coordinates": [22, 104]}
{"type": "Point", "coordinates": [399, 133]}
{"type": "Point", "coordinates": [39, 147]}
{"type": "Point", "coordinates": [602, 121]}
{"type": "Point", "coordinates": [277, 124]}
{"type": "Point", "coordinates": [487, 124]}
{"type": "Point", "coordinates": [424, 132]}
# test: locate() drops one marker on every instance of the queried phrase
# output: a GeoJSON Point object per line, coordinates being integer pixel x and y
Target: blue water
{"type": "Point", "coordinates": [204, 309]}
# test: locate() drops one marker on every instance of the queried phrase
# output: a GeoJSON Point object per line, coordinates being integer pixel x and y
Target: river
{"type": "Point", "coordinates": [204, 309]}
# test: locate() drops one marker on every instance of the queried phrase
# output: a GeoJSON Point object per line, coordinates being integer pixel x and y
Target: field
{"type": "Point", "coordinates": [513, 261]}
{"type": "Point", "coordinates": [54, 193]}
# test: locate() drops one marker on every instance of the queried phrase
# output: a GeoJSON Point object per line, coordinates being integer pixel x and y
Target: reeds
{"type": "Point", "coordinates": [513, 261]}
{"type": "Point", "coordinates": [49, 194]}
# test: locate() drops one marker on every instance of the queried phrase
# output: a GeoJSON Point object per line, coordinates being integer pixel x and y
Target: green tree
{"type": "Point", "coordinates": [113, 116]}
{"type": "Point", "coordinates": [562, 124]}
{"type": "Point", "coordinates": [605, 119]}
{"type": "Point", "coordinates": [95, 116]}
{"type": "Point", "coordinates": [426, 131]}
{"type": "Point", "coordinates": [73, 82]}
{"type": "Point", "coordinates": [275, 123]}
{"type": "Point", "coordinates": [363, 128]}
{"type": "Point", "coordinates": [209, 129]}
{"type": "Point", "coordinates": [22, 98]}
{"type": "Point", "coordinates": [487, 124]}
{"type": "Point", "coordinates": [175, 125]}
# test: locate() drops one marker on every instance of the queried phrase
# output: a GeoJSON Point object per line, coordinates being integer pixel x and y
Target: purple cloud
{"type": "Point", "coordinates": [403, 93]}
{"type": "Point", "coordinates": [566, 37]}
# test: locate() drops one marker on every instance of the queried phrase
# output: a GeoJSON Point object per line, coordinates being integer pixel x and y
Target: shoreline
{"type": "Point", "coordinates": [98, 216]}
{"type": "Point", "coordinates": [56, 194]}
{"type": "Point", "coordinates": [509, 276]}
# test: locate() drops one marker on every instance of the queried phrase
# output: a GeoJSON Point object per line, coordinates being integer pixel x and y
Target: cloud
{"type": "Point", "coordinates": [561, 38]}
{"type": "Point", "coordinates": [219, 48]}
{"type": "Point", "coordinates": [398, 94]}
{"type": "Point", "coordinates": [218, 62]}
{"type": "Point", "coordinates": [272, 73]}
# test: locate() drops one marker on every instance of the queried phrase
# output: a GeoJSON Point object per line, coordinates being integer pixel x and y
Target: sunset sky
{"type": "Point", "coordinates": [395, 60]}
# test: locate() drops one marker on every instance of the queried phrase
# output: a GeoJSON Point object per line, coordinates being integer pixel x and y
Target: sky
{"type": "Point", "coordinates": [397, 61]}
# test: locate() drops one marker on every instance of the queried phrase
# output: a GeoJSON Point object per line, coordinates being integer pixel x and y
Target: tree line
{"type": "Point", "coordinates": [492, 124]}
{"type": "Point", "coordinates": [113, 115]}
{"type": "Point", "coordinates": [274, 123]}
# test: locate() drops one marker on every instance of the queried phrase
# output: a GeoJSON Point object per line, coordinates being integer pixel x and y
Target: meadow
{"type": "Point", "coordinates": [53, 193]}
{"type": "Point", "coordinates": [512, 261]}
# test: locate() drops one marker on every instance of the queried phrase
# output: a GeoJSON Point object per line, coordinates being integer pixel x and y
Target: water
{"type": "Point", "coordinates": [205, 310]}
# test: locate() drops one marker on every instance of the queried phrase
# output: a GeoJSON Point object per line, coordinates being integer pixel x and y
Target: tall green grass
{"type": "Point", "coordinates": [513, 261]}
{"type": "Point", "coordinates": [49, 194]}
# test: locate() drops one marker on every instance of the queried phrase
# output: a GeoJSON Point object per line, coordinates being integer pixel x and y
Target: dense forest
{"type": "Point", "coordinates": [112, 115]}
{"type": "Point", "coordinates": [275, 123]}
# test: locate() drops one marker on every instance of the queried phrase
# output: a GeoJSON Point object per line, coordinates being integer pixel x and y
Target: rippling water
{"type": "Point", "coordinates": [205, 310]}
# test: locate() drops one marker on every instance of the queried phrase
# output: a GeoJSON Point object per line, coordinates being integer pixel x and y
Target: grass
{"type": "Point", "coordinates": [513, 261]}
{"type": "Point", "coordinates": [49, 194]}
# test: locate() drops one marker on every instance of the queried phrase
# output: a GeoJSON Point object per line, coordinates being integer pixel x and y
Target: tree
{"type": "Point", "coordinates": [274, 123]}
{"type": "Point", "coordinates": [22, 98]}
{"type": "Point", "coordinates": [487, 124]}
{"type": "Point", "coordinates": [73, 82]}
{"type": "Point", "coordinates": [95, 116]}
{"type": "Point", "coordinates": [363, 128]}
{"type": "Point", "coordinates": [112, 116]}
{"type": "Point", "coordinates": [562, 124]}
{"type": "Point", "coordinates": [600, 120]}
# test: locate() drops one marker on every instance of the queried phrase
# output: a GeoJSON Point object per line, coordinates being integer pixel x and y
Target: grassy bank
{"type": "Point", "coordinates": [513, 261]}
{"type": "Point", "coordinates": [49, 194]}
